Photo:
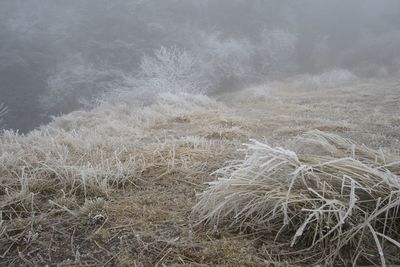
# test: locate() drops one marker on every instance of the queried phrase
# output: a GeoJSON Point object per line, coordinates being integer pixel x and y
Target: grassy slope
{"type": "Point", "coordinates": [116, 185]}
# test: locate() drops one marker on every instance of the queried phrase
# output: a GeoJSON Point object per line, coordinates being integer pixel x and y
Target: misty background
{"type": "Point", "coordinates": [57, 56]}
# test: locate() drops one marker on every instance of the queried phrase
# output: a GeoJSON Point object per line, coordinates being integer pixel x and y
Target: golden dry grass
{"type": "Point", "coordinates": [116, 185]}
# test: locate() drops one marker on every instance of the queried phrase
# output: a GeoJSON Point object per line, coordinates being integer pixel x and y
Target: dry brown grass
{"type": "Point", "coordinates": [97, 187]}
{"type": "Point", "coordinates": [116, 185]}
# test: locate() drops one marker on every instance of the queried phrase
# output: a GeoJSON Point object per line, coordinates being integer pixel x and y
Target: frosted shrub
{"type": "Point", "coordinates": [78, 81]}
{"type": "Point", "coordinates": [223, 60]}
{"type": "Point", "coordinates": [171, 70]}
{"type": "Point", "coordinates": [227, 58]}
{"type": "Point", "coordinates": [276, 49]}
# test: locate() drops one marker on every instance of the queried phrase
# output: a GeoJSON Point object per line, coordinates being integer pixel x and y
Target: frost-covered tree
{"type": "Point", "coordinates": [77, 81]}
{"type": "Point", "coordinates": [168, 70]}
{"type": "Point", "coordinates": [228, 58]}
{"type": "Point", "coordinates": [171, 70]}
{"type": "Point", "coordinates": [224, 61]}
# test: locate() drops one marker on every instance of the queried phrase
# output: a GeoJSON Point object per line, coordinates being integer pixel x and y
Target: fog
{"type": "Point", "coordinates": [57, 56]}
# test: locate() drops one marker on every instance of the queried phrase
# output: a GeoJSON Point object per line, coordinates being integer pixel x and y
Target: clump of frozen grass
{"type": "Point", "coordinates": [328, 196]}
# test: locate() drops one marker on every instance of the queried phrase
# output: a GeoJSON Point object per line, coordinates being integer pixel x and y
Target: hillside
{"type": "Point", "coordinates": [116, 185]}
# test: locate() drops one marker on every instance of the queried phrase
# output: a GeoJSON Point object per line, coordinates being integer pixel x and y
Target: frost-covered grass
{"type": "Point", "coordinates": [69, 170]}
{"type": "Point", "coordinates": [87, 153]}
{"type": "Point", "coordinates": [115, 185]}
{"type": "Point", "coordinates": [327, 196]}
